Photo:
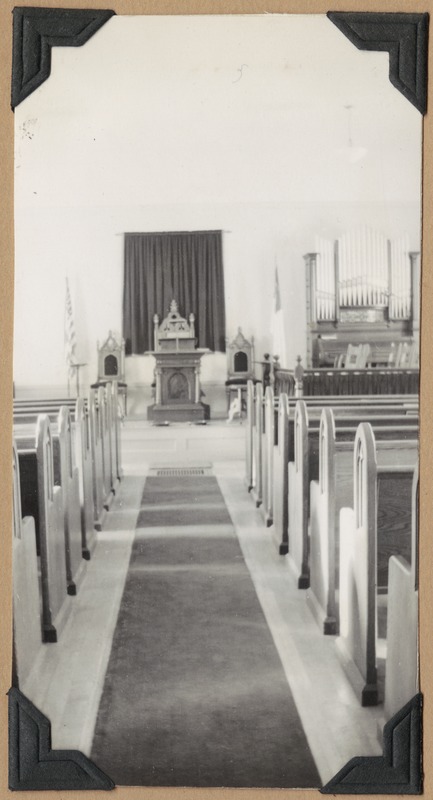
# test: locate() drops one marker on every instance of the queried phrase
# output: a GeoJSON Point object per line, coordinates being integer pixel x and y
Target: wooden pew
{"type": "Point", "coordinates": [328, 495]}
{"type": "Point", "coordinates": [362, 533]}
{"type": "Point", "coordinates": [346, 405]}
{"type": "Point", "coordinates": [99, 508]}
{"type": "Point", "coordinates": [30, 416]}
{"type": "Point", "coordinates": [105, 435]}
{"type": "Point", "coordinates": [257, 468]}
{"type": "Point", "coordinates": [26, 613]}
{"type": "Point", "coordinates": [249, 429]}
{"type": "Point", "coordinates": [297, 480]}
{"type": "Point", "coordinates": [281, 464]}
{"type": "Point", "coordinates": [268, 446]}
{"type": "Point", "coordinates": [81, 447]}
{"type": "Point", "coordinates": [116, 416]}
{"type": "Point", "coordinates": [112, 420]}
{"type": "Point", "coordinates": [66, 475]}
{"type": "Point", "coordinates": [26, 411]}
{"type": "Point", "coordinates": [83, 455]}
{"type": "Point", "coordinates": [343, 407]}
{"type": "Point", "coordinates": [39, 492]}
{"type": "Point", "coordinates": [41, 403]}
{"type": "Point", "coordinates": [305, 467]}
{"type": "Point", "coordinates": [69, 480]}
{"type": "Point", "coordinates": [401, 676]}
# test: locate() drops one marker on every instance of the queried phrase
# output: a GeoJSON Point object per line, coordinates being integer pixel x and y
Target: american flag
{"type": "Point", "coordinates": [277, 325]}
{"type": "Point", "coordinates": [70, 339]}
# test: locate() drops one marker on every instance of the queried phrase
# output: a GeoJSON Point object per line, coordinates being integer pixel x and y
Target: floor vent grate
{"type": "Point", "coordinates": [180, 472]}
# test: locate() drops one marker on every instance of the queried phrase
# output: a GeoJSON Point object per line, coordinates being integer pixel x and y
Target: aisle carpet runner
{"type": "Point", "coordinates": [195, 694]}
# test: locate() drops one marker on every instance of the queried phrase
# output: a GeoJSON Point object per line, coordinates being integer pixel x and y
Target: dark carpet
{"type": "Point", "coordinates": [195, 693]}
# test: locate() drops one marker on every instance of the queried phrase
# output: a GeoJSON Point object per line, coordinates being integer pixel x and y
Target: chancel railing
{"type": "Point", "coordinates": [361, 288]}
{"type": "Point", "coordinates": [322, 382]}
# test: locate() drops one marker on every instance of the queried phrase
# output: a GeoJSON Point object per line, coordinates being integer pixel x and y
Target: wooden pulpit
{"type": "Point", "coordinates": [177, 370]}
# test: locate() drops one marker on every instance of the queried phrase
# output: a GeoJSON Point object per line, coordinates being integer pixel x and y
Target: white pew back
{"type": "Point", "coordinates": [69, 479]}
{"type": "Point", "coordinates": [401, 682]}
{"type": "Point", "coordinates": [26, 614]}
{"type": "Point", "coordinates": [358, 577]}
{"type": "Point", "coordinates": [97, 462]}
{"type": "Point", "coordinates": [55, 603]}
{"type": "Point", "coordinates": [358, 562]}
{"type": "Point", "coordinates": [257, 488]}
{"type": "Point", "coordinates": [281, 465]}
{"type": "Point", "coordinates": [249, 436]}
{"type": "Point", "coordinates": [83, 455]}
{"type": "Point", "coordinates": [268, 448]}
{"type": "Point", "coordinates": [298, 484]}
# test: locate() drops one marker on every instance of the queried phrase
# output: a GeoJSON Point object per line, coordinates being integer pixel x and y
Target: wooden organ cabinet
{"type": "Point", "coordinates": [361, 289]}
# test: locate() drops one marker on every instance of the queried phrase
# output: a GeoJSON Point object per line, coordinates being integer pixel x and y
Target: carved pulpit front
{"type": "Point", "coordinates": [177, 370]}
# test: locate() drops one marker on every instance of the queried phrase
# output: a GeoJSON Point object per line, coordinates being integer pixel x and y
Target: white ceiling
{"type": "Point", "coordinates": [216, 109]}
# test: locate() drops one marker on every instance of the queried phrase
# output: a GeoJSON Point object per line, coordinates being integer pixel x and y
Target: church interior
{"type": "Point", "coordinates": [216, 395]}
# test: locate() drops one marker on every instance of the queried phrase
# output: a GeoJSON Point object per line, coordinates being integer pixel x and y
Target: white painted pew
{"type": "Point", "coordinates": [356, 644]}
{"type": "Point", "coordinates": [83, 455]}
{"type": "Point", "coordinates": [51, 532]}
{"type": "Point", "coordinates": [298, 480]}
{"type": "Point", "coordinates": [66, 475]}
{"type": "Point", "coordinates": [389, 405]}
{"type": "Point", "coordinates": [69, 481]}
{"type": "Point", "coordinates": [81, 451]}
{"type": "Point", "coordinates": [401, 677]}
{"type": "Point", "coordinates": [284, 452]}
{"type": "Point", "coordinates": [97, 462]}
{"type": "Point", "coordinates": [328, 495]}
{"type": "Point", "coordinates": [268, 447]}
{"type": "Point", "coordinates": [115, 422]}
{"type": "Point", "coordinates": [26, 611]}
{"type": "Point", "coordinates": [281, 464]}
{"type": "Point", "coordinates": [249, 428]}
{"type": "Point", "coordinates": [257, 467]}
{"type": "Point", "coordinates": [304, 468]}
{"type": "Point", "coordinates": [105, 435]}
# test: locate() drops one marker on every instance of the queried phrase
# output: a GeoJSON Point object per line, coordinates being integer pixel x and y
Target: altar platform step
{"type": "Point", "coordinates": [183, 443]}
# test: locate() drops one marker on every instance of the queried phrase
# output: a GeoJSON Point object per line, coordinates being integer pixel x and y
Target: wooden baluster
{"type": "Point", "coordinates": [299, 377]}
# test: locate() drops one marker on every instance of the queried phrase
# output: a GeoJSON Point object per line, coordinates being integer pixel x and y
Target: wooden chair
{"type": "Point", "coordinates": [240, 369]}
{"type": "Point", "coordinates": [357, 356]}
{"type": "Point", "coordinates": [111, 366]}
{"type": "Point", "coordinates": [407, 355]}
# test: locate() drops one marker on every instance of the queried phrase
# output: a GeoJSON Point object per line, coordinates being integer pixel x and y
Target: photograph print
{"type": "Point", "coordinates": [217, 263]}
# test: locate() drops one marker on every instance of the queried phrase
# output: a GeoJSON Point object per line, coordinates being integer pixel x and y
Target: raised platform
{"type": "Point", "coordinates": [182, 443]}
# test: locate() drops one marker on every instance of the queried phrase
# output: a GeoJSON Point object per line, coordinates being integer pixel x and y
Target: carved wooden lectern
{"type": "Point", "coordinates": [177, 370]}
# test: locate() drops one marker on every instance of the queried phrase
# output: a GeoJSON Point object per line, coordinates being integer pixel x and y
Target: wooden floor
{"type": "Point", "coordinates": [67, 681]}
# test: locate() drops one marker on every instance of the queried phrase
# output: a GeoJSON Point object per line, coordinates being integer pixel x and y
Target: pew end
{"type": "Point", "coordinates": [27, 625]}
{"type": "Point", "coordinates": [402, 637]}
{"type": "Point", "coordinates": [321, 595]}
{"type": "Point", "coordinates": [356, 643]}
{"type": "Point", "coordinates": [298, 487]}
{"type": "Point", "coordinates": [279, 530]}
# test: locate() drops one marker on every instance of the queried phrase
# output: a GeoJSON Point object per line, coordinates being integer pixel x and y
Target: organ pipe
{"type": "Point", "coordinates": [360, 270]}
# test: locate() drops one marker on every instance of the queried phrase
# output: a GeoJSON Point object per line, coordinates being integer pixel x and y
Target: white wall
{"type": "Point", "coordinates": [189, 123]}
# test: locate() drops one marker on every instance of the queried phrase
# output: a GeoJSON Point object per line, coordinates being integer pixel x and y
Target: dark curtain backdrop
{"type": "Point", "coordinates": [186, 267]}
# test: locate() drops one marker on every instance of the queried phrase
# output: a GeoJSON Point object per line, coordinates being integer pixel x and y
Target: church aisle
{"type": "Point", "coordinates": [68, 677]}
{"type": "Point", "coordinates": [194, 687]}
{"type": "Point", "coordinates": [337, 727]}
